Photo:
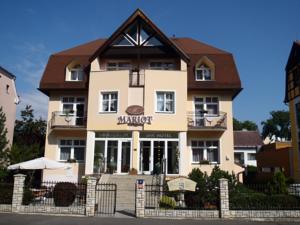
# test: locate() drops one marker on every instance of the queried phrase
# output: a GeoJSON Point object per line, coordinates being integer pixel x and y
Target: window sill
{"type": "Point", "coordinates": [111, 112]}
{"type": "Point", "coordinates": [204, 164]}
{"type": "Point", "coordinates": [165, 112]}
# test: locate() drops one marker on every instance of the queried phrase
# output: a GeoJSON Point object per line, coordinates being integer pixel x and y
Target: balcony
{"type": "Point", "coordinates": [204, 121]}
{"type": "Point", "coordinates": [61, 120]}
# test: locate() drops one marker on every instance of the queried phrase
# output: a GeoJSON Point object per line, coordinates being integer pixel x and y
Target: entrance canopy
{"type": "Point", "coordinates": [39, 164]}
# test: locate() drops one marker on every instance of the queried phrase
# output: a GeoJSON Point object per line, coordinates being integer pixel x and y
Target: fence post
{"type": "Point", "coordinates": [140, 198]}
{"type": "Point", "coordinates": [19, 180]}
{"type": "Point", "coordinates": [90, 196]}
{"type": "Point", "coordinates": [224, 198]}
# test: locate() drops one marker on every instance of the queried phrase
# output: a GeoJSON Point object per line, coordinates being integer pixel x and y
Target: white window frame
{"type": "Point", "coordinates": [101, 100]}
{"type": "Point", "coordinates": [205, 150]}
{"type": "Point", "coordinates": [79, 71]}
{"type": "Point", "coordinates": [72, 146]}
{"type": "Point", "coordinates": [205, 104]}
{"type": "Point", "coordinates": [72, 103]}
{"type": "Point", "coordinates": [205, 69]}
{"type": "Point", "coordinates": [165, 92]}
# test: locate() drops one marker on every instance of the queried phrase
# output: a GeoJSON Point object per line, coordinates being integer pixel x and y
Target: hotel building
{"type": "Point", "coordinates": [140, 101]}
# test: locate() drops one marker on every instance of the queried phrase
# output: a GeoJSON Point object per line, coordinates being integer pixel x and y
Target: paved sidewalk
{"type": "Point", "coordinates": [22, 219]}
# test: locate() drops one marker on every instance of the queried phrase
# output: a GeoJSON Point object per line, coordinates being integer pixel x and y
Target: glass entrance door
{"type": "Point", "coordinates": [158, 156]}
{"type": "Point", "coordinates": [145, 157]}
{"type": "Point", "coordinates": [112, 156]}
{"type": "Point", "coordinates": [125, 156]}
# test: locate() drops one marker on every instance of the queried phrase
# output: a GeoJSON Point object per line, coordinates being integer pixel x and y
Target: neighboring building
{"type": "Point", "coordinates": [273, 158]}
{"type": "Point", "coordinates": [292, 97]}
{"type": "Point", "coordinates": [140, 100]}
{"type": "Point", "coordinates": [8, 101]}
{"type": "Point", "coordinates": [246, 145]}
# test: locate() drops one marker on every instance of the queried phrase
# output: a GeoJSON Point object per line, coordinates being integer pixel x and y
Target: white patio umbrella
{"type": "Point", "coordinates": [39, 164]}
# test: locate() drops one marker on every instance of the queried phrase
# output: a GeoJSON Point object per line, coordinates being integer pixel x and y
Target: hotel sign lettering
{"type": "Point", "coordinates": [134, 120]}
{"type": "Point", "coordinates": [135, 116]}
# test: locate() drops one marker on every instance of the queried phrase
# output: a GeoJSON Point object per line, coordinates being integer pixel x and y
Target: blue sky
{"type": "Point", "coordinates": [259, 33]}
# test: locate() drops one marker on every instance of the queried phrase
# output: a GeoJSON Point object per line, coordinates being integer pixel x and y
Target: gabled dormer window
{"type": "Point", "coordinates": [203, 73]}
{"type": "Point", "coordinates": [204, 69]}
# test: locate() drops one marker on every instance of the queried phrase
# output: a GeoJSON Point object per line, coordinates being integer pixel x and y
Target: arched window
{"type": "Point", "coordinates": [204, 70]}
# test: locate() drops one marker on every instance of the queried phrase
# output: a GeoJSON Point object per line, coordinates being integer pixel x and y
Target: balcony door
{"type": "Point", "coordinates": [73, 110]}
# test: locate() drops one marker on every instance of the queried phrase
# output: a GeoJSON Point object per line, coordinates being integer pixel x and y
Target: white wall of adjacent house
{"type": "Point", "coordinates": [248, 156]}
{"type": "Point", "coordinates": [8, 101]}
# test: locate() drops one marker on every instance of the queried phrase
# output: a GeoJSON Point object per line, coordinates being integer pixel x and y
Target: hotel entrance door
{"type": "Point", "coordinates": [159, 156]}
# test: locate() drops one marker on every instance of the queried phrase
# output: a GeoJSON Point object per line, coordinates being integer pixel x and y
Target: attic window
{"type": "Point", "coordinates": [138, 34]}
{"type": "Point", "coordinates": [75, 73]}
{"type": "Point", "coordinates": [203, 72]}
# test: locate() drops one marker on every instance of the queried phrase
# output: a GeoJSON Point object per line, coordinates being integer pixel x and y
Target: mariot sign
{"type": "Point", "coordinates": [135, 116]}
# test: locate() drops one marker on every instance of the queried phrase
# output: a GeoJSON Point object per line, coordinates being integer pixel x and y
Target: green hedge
{"type": "Point", "coordinates": [6, 193]}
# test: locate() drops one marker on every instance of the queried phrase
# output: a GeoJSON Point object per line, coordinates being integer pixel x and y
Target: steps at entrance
{"type": "Point", "coordinates": [126, 188]}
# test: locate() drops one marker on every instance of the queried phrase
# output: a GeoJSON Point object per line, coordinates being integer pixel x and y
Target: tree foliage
{"type": "Point", "coordinates": [278, 126]}
{"type": "Point", "coordinates": [247, 124]}
{"type": "Point", "coordinates": [29, 137]}
{"type": "Point", "coordinates": [3, 139]}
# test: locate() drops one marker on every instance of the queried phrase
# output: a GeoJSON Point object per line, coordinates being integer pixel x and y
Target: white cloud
{"type": "Point", "coordinates": [37, 100]}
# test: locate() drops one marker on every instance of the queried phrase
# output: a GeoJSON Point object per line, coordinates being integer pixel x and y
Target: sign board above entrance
{"type": "Point", "coordinates": [181, 184]}
{"type": "Point", "coordinates": [159, 135]}
{"type": "Point", "coordinates": [135, 110]}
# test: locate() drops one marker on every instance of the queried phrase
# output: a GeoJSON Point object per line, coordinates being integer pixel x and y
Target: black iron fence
{"type": "Point", "coordinates": [6, 193]}
{"type": "Point", "coordinates": [106, 195]}
{"type": "Point", "coordinates": [264, 197]}
{"type": "Point", "coordinates": [60, 194]}
{"type": "Point", "coordinates": [159, 197]}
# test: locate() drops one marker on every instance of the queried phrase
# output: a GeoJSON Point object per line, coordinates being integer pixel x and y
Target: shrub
{"type": "Point", "coordinates": [278, 184]}
{"type": "Point", "coordinates": [167, 202]}
{"type": "Point", "coordinates": [64, 194]}
{"type": "Point", "coordinates": [28, 196]}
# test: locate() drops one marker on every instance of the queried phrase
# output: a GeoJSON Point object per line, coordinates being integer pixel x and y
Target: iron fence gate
{"type": "Point", "coordinates": [106, 195]}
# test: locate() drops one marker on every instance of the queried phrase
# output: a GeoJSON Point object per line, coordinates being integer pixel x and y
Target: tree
{"type": "Point", "coordinates": [3, 145]}
{"type": "Point", "coordinates": [247, 124]}
{"type": "Point", "coordinates": [29, 137]}
{"type": "Point", "coordinates": [3, 132]}
{"type": "Point", "coordinates": [278, 126]}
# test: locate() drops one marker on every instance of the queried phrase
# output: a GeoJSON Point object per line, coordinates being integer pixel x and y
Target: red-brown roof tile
{"type": "Point", "coordinates": [247, 139]}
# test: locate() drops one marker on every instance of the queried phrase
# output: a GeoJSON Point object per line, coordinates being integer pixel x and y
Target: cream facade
{"type": "Point", "coordinates": [8, 101]}
{"type": "Point", "coordinates": [138, 111]}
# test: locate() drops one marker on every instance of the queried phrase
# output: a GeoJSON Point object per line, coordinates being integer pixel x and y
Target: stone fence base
{"type": "Point", "coordinates": [52, 210]}
{"type": "Point", "coordinates": [5, 208]}
{"type": "Point", "coordinates": [264, 214]}
{"type": "Point", "coordinates": [182, 213]}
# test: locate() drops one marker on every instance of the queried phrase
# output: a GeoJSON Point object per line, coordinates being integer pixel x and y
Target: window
{"type": "Point", "coordinates": [203, 73]}
{"type": "Point", "coordinates": [74, 72]}
{"type": "Point", "coordinates": [138, 34]}
{"type": "Point", "coordinates": [205, 150]}
{"type": "Point", "coordinates": [70, 105]}
{"type": "Point", "coordinates": [72, 149]}
{"type": "Point", "coordinates": [162, 66]}
{"type": "Point", "coordinates": [111, 66]}
{"type": "Point", "coordinates": [251, 156]}
{"type": "Point", "coordinates": [208, 104]}
{"type": "Point", "coordinates": [109, 101]}
{"type": "Point", "coordinates": [165, 102]}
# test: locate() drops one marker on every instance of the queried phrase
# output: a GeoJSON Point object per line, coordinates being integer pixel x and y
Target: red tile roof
{"type": "Point", "coordinates": [247, 139]}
